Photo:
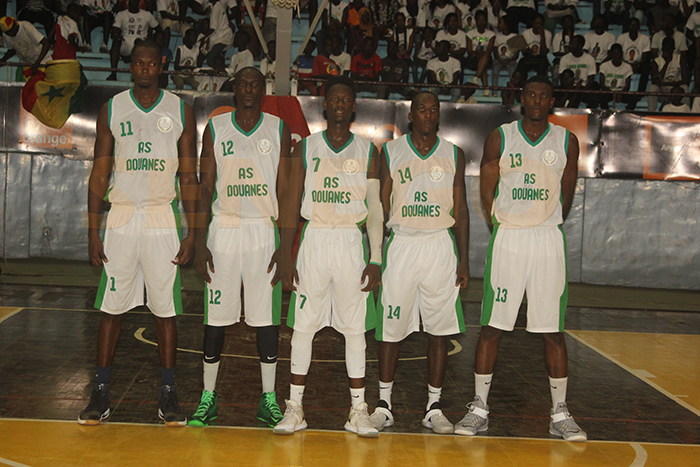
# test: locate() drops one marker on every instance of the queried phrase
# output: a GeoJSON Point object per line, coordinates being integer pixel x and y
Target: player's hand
{"type": "Point", "coordinates": [288, 273]}
{"type": "Point", "coordinates": [96, 250]}
{"type": "Point", "coordinates": [203, 263]}
{"type": "Point", "coordinates": [373, 274]}
{"type": "Point", "coordinates": [186, 250]}
{"type": "Point", "coordinates": [275, 261]}
{"type": "Point", "coordinates": [462, 275]}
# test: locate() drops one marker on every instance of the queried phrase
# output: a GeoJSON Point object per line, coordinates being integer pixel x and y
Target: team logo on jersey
{"type": "Point", "coordinates": [264, 146]}
{"type": "Point", "coordinates": [549, 157]}
{"type": "Point", "coordinates": [131, 20]}
{"type": "Point", "coordinates": [436, 174]}
{"type": "Point", "coordinates": [165, 124]}
{"type": "Point", "coordinates": [351, 166]}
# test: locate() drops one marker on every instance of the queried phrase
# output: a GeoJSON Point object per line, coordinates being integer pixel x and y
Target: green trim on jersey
{"type": "Point", "coordinates": [338, 151]}
{"type": "Point", "coordinates": [503, 140]}
{"type": "Point", "coordinates": [488, 296]}
{"type": "Point", "coordinates": [494, 221]}
{"type": "Point", "coordinates": [144, 109]}
{"type": "Point", "coordinates": [277, 289]}
{"type": "Point", "coordinates": [539, 140]}
{"type": "Point", "coordinates": [379, 330]}
{"type": "Point", "coordinates": [564, 299]}
{"type": "Point", "coordinates": [371, 309]}
{"type": "Point", "coordinates": [109, 112]}
{"type": "Point", "coordinates": [281, 129]}
{"type": "Point", "coordinates": [303, 152]}
{"type": "Point", "coordinates": [213, 133]}
{"type": "Point", "coordinates": [293, 297]}
{"type": "Point", "coordinates": [369, 159]}
{"type": "Point", "coordinates": [246, 133]}
{"type": "Point", "coordinates": [417, 153]}
{"type": "Point", "coordinates": [566, 143]}
{"type": "Point", "coordinates": [458, 301]}
{"type": "Point", "coordinates": [182, 114]}
{"type": "Point", "coordinates": [386, 155]}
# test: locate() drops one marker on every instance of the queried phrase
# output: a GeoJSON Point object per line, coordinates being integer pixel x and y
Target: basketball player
{"type": "Point", "coordinates": [244, 171]}
{"type": "Point", "coordinates": [528, 178]}
{"type": "Point", "coordinates": [145, 137]}
{"type": "Point", "coordinates": [425, 265]}
{"type": "Point", "coordinates": [337, 172]}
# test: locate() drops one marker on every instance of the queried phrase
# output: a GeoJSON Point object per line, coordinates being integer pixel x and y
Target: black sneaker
{"type": "Point", "coordinates": [98, 408]}
{"type": "Point", "coordinates": [169, 410]}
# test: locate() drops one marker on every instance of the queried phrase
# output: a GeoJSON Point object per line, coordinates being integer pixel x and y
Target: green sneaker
{"type": "Point", "coordinates": [268, 409]}
{"type": "Point", "coordinates": [207, 410]}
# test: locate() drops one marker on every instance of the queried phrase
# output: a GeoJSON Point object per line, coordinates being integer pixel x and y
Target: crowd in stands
{"type": "Point", "coordinates": [423, 43]}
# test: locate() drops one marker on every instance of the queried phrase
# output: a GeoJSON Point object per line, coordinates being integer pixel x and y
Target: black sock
{"type": "Point", "coordinates": [102, 374]}
{"type": "Point", "coordinates": [167, 375]}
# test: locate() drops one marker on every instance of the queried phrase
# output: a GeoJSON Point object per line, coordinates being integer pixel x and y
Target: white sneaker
{"type": "Point", "coordinates": [435, 419]}
{"type": "Point", "coordinates": [104, 49]}
{"type": "Point", "coordinates": [475, 80]}
{"type": "Point", "coordinates": [359, 422]}
{"type": "Point", "coordinates": [563, 424]}
{"type": "Point", "coordinates": [476, 420]}
{"type": "Point", "coordinates": [292, 421]}
{"type": "Point", "coordinates": [382, 416]}
{"type": "Point", "coordinates": [487, 93]}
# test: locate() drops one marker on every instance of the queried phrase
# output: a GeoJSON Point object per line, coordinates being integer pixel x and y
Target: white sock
{"type": "Point", "coordinates": [557, 387]}
{"type": "Point", "coordinates": [433, 396]}
{"type": "Point", "coordinates": [357, 396]}
{"type": "Point", "coordinates": [482, 384]}
{"type": "Point", "coordinates": [296, 393]}
{"type": "Point", "coordinates": [211, 371]}
{"type": "Point", "coordinates": [385, 391]}
{"type": "Point", "coordinates": [268, 371]}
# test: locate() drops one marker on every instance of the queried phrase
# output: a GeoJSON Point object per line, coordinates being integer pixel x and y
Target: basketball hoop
{"type": "Point", "coordinates": [286, 3]}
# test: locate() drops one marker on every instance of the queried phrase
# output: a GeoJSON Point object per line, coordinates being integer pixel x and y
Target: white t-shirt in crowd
{"type": "Point", "coordinates": [615, 76]}
{"type": "Point", "coordinates": [632, 50]}
{"type": "Point", "coordinates": [599, 45]}
{"type": "Point", "coordinates": [500, 45]}
{"type": "Point", "coordinates": [480, 40]}
{"type": "Point", "coordinates": [336, 11]}
{"type": "Point", "coordinates": [134, 26]}
{"type": "Point", "coordinates": [457, 41]}
{"type": "Point", "coordinates": [560, 43]}
{"type": "Point", "coordinates": [219, 23]}
{"type": "Point", "coordinates": [239, 61]}
{"type": "Point", "coordinates": [678, 109]}
{"type": "Point", "coordinates": [27, 43]}
{"type": "Point", "coordinates": [343, 61]}
{"type": "Point", "coordinates": [533, 40]}
{"type": "Point", "coordinates": [678, 38]}
{"type": "Point", "coordinates": [583, 66]}
{"type": "Point", "coordinates": [444, 71]}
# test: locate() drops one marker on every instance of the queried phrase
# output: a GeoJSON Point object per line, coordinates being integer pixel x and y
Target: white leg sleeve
{"type": "Point", "coordinates": [355, 346]}
{"type": "Point", "coordinates": [301, 352]}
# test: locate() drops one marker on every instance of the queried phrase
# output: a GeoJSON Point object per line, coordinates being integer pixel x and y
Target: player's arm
{"type": "Point", "coordinates": [282, 192]}
{"type": "Point", "coordinates": [489, 171]}
{"type": "Point", "coordinates": [461, 216]}
{"type": "Point", "coordinates": [289, 216]}
{"type": "Point", "coordinates": [189, 186]}
{"type": "Point", "coordinates": [98, 184]}
{"type": "Point", "coordinates": [207, 178]}
{"type": "Point", "coordinates": [375, 225]}
{"type": "Point", "coordinates": [568, 178]}
{"type": "Point", "coordinates": [386, 183]}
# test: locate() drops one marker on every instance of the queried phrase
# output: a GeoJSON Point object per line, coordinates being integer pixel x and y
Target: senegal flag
{"type": "Point", "coordinates": [56, 93]}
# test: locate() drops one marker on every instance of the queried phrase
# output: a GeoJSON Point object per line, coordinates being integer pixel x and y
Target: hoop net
{"type": "Point", "coordinates": [286, 3]}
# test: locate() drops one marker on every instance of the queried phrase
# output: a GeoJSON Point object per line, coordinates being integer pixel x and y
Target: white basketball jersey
{"type": "Point", "coordinates": [529, 185]}
{"type": "Point", "coordinates": [246, 168]}
{"type": "Point", "coordinates": [145, 149]}
{"type": "Point", "coordinates": [422, 194]}
{"type": "Point", "coordinates": [335, 187]}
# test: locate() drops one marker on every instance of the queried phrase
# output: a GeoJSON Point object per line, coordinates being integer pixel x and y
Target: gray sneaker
{"type": "Point", "coordinates": [563, 424]}
{"type": "Point", "coordinates": [436, 420]}
{"type": "Point", "coordinates": [382, 416]}
{"type": "Point", "coordinates": [476, 420]}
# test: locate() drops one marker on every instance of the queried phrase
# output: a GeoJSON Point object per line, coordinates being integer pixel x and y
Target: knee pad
{"type": "Point", "coordinates": [213, 343]}
{"type": "Point", "coordinates": [355, 360]}
{"type": "Point", "coordinates": [267, 337]}
{"type": "Point", "coordinates": [302, 343]}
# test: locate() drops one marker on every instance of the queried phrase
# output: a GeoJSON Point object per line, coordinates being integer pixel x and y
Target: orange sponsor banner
{"type": "Point", "coordinates": [35, 135]}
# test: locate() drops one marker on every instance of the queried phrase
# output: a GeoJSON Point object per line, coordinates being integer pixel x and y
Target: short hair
{"type": "Point", "coordinates": [567, 72]}
{"type": "Point", "coordinates": [250, 69]}
{"type": "Point", "coordinates": [540, 79]}
{"type": "Point", "coordinates": [668, 42]}
{"type": "Point", "coordinates": [536, 16]}
{"type": "Point", "coordinates": [480, 13]}
{"type": "Point", "coordinates": [420, 94]}
{"type": "Point", "coordinates": [449, 17]}
{"type": "Point", "coordinates": [616, 46]}
{"type": "Point", "coordinates": [340, 80]}
{"type": "Point", "coordinates": [578, 37]}
{"type": "Point", "coordinates": [147, 43]}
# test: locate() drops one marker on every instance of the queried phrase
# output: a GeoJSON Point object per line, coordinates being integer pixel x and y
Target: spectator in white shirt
{"type": "Point", "coordinates": [221, 38]}
{"type": "Point", "coordinates": [98, 13]}
{"type": "Point", "coordinates": [668, 29]}
{"type": "Point", "coordinates": [560, 44]}
{"type": "Point", "coordinates": [186, 60]}
{"type": "Point", "coordinates": [676, 104]}
{"type": "Point", "coordinates": [267, 64]}
{"type": "Point", "coordinates": [444, 69]}
{"type": "Point", "coordinates": [480, 43]}
{"type": "Point", "coordinates": [22, 39]}
{"type": "Point", "coordinates": [636, 50]}
{"type": "Point", "coordinates": [520, 11]}
{"type": "Point", "coordinates": [439, 9]}
{"type": "Point", "coordinates": [615, 75]}
{"type": "Point", "coordinates": [556, 10]}
{"type": "Point", "coordinates": [538, 41]}
{"type": "Point", "coordinates": [503, 56]}
{"type": "Point", "coordinates": [456, 37]}
{"type": "Point", "coordinates": [129, 26]}
{"type": "Point", "coordinates": [424, 51]}
{"type": "Point", "coordinates": [618, 12]}
{"type": "Point", "coordinates": [173, 17]}
{"type": "Point", "coordinates": [244, 57]}
{"type": "Point", "coordinates": [339, 56]}
{"type": "Point", "coordinates": [599, 40]}
{"type": "Point", "coordinates": [583, 66]}
{"type": "Point", "coordinates": [667, 72]}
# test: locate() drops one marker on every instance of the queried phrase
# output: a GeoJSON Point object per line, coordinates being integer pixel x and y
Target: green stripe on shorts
{"type": "Point", "coordinates": [488, 297]}
{"type": "Point", "coordinates": [379, 330]}
{"type": "Point", "coordinates": [370, 310]}
{"type": "Point", "coordinates": [101, 290]}
{"type": "Point", "coordinates": [564, 299]}
{"type": "Point", "coordinates": [458, 302]}
{"type": "Point", "coordinates": [277, 289]}
{"type": "Point", "coordinates": [206, 303]}
{"type": "Point", "coordinates": [177, 292]}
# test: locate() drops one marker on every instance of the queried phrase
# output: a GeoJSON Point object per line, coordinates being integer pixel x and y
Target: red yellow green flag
{"type": "Point", "coordinates": [56, 93]}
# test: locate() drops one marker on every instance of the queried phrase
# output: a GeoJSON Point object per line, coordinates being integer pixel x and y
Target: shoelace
{"type": "Point", "coordinates": [204, 404]}
{"type": "Point", "coordinates": [272, 406]}
{"type": "Point", "coordinates": [568, 425]}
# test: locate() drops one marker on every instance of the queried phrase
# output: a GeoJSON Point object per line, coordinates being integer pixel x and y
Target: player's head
{"type": "Point", "coordinates": [9, 26]}
{"type": "Point", "coordinates": [146, 63]}
{"type": "Point", "coordinates": [425, 113]}
{"type": "Point", "coordinates": [339, 99]}
{"type": "Point", "coordinates": [537, 98]}
{"type": "Point", "coordinates": [249, 88]}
